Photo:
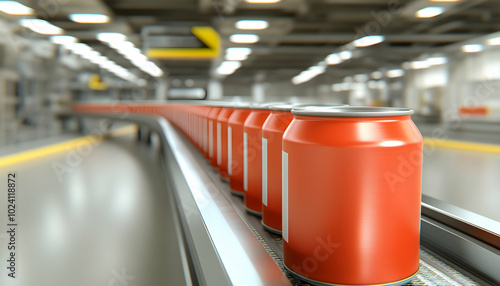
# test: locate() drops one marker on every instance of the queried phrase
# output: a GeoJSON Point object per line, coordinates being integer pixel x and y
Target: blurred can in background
{"type": "Point", "coordinates": [212, 134]}
{"type": "Point", "coordinates": [236, 148]}
{"type": "Point", "coordinates": [351, 195]}
{"type": "Point", "coordinates": [252, 158]}
{"type": "Point", "coordinates": [222, 141]}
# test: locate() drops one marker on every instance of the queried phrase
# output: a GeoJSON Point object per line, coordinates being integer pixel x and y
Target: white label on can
{"type": "Point", "coordinates": [285, 195]}
{"type": "Point", "coordinates": [245, 161]}
{"type": "Point", "coordinates": [211, 139]}
{"type": "Point", "coordinates": [229, 150]}
{"type": "Point", "coordinates": [264, 171]}
{"type": "Point", "coordinates": [205, 143]}
{"type": "Point", "coordinates": [219, 144]}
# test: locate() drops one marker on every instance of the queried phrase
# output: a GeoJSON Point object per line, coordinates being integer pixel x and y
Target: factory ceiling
{"type": "Point", "coordinates": [300, 33]}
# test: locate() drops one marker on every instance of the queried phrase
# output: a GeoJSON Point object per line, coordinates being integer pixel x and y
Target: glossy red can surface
{"type": "Point", "coordinates": [351, 198]}
{"type": "Point", "coordinates": [235, 143]}
{"type": "Point", "coordinates": [222, 140]}
{"type": "Point", "coordinates": [272, 141]}
{"type": "Point", "coordinates": [212, 135]}
{"type": "Point", "coordinates": [252, 160]}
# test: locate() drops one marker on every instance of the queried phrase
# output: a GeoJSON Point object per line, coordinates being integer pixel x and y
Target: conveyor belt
{"type": "Point", "coordinates": [434, 269]}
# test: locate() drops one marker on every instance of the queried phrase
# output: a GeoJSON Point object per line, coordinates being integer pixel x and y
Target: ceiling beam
{"type": "Point", "coordinates": [328, 38]}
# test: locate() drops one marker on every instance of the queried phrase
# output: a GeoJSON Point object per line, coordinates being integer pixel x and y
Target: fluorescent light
{"type": "Point", "coordinates": [333, 59]}
{"type": "Point", "coordinates": [434, 61]}
{"type": "Point", "coordinates": [252, 25]}
{"type": "Point", "coordinates": [472, 48]}
{"type": "Point", "coordinates": [91, 55]}
{"type": "Point", "coordinates": [89, 18]}
{"type": "Point", "coordinates": [228, 67]}
{"type": "Point", "coordinates": [235, 57]}
{"type": "Point", "coordinates": [368, 41]}
{"type": "Point", "coordinates": [308, 74]}
{"type": "Point", "coordinates": [15, 8]}
{"type": "Point", "coordinates": [377, 74]}
{"type": "Point", "coordinates": [237, 54]}
{"type": "Point", "coordinates": [136, 57]}
{"type": "Point", "coordinates": [111, 37]}
{"type": "Point", "coordinates": [41, 26]}
{"type": "Point", "coordinates": [152, 69]}
{"type": "Point", "coordinates": [129, 51]}
{"type": "Point", "coordinates": [99, 60]}
{"type": "Point", "coordinates": [262, 1]}
{"type": "Point", "coordinates": [244, 38]}
{"type": "Point", "coordinates": [63, 40]}
{"type": "Point", "coordinates": [429, 12]}
{"type": "Point", "coordinates": [419, 65]}
{"type": "Point", "coordinates": [395, 73]}
{"type": "Point", "coordinates": [345, 55]}
{"type": "Point", "coordinates": [494, 41]}
{"type": "Point", "coordinates": [239, 50]}
{"type": "Point", "coordinates": [79, 48]}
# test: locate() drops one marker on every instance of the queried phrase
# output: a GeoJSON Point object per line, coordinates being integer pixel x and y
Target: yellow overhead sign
{"type": "Point", "coordinates": [207, 35]}
{"type": "Point", "coordinates": [95, 83]}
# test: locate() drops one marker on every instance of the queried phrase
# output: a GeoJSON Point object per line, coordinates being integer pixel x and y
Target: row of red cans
{"type": "Point", "coordinates": [342, 184]}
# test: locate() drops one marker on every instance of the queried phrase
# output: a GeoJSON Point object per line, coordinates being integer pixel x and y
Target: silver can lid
{"type": "Point", "coordinates": [290, 107]}
{"type": "Point", "coordinates": [265, 106]}
{"type": "Point", "coordinates": [282, 107]}
{"type": "Point", "coordinates": [242, 105]}
{"type": "Point", "coordinates": [353, 111]}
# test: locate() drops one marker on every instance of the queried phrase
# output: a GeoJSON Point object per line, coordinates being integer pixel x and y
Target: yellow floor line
{"type": "Point", "coordinates": [481, 147]}
{"type": "Point", "coordinates": [59, 147]}
{"type": "Point", "coordinates": [124, 131]}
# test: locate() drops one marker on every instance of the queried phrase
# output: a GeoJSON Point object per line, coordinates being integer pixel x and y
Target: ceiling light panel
{"type": "Point", "coordinates": [429, 12]}
{"type": "Point", "coordinates": [494, 41]}
{"type": "Point", "coordinates": [333, 59]}
{"type": "Point", "coordinates": [434, 61]}
{"type": "Point", "coordinates": [89, 18]}
{"type": "Point", "coordinates": [15, 8]}
{"type": "Point", "coordinates": [368, 41]}
{"type": "Point", "coordinates": [111, 37]}
{"type": "Point", "coordinates": [228, 67]}
{"type": "Point", "coordinates": [252, 25]}
{"type": "Point", "coordinates": [395, 73]}
{"type": "Point", "coordinates": [345, 55]}
{"type": "Point", "coordinates": [63, 40]}
{"type": "Point", "coordinates": [472, 48]}
{"type": "Point", "coordinates": [41, 27]}
{"type": "Point", "coordinates": [244, 38]}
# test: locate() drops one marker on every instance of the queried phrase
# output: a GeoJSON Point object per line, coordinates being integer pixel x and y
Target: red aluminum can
{"type": "Point", "coordinates": [272, 141]}
{"type": "Point", "coordinates": [252, 158]}
{"type": "Point", "coordinates": [212, 135]}
{"type": "Point", "coordinates": [204, 129]}
{"type": "Point", "coordinates": [222, 141]}
{"type": "Point", "coordinates": [235, 148]}
{"type": "Point", "coordinates": [351, 195]}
